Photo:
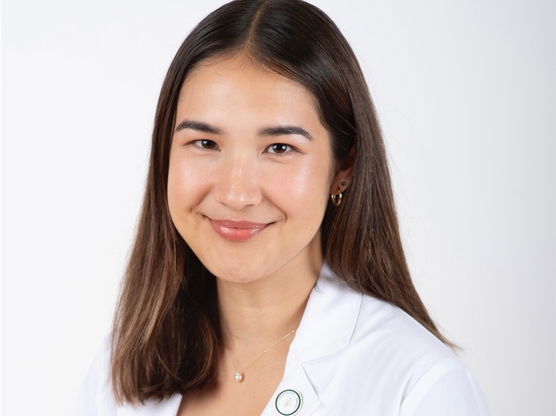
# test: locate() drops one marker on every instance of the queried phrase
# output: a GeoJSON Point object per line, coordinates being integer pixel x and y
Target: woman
{"type": "Point", "coordinates": [267, 275]}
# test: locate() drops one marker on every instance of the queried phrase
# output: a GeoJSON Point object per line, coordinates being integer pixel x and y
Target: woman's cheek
{"type": "Point", "coordinates": [182, 180]}
{"type": "Point", "coordinates": [306, 181]}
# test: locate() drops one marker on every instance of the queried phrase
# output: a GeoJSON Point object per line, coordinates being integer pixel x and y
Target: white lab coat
{"type": "Point", "coordinates": [352, 355]}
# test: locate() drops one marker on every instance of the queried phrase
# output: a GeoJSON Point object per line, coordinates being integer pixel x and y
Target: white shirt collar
{"type": "Point", "coordinates": [328, 321]}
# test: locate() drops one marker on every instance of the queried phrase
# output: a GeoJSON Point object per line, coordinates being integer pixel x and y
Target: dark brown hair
{"type": "Point", "coordinates": [166, 335]}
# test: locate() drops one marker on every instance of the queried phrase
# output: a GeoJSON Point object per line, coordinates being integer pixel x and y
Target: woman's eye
{"type": "Point", "coordinates": [204, 144]}
{"type": "Point", "coordinates": [280, 148]}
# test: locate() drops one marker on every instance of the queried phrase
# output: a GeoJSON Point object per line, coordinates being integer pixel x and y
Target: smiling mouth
{"type": "Point", "coordinates": [239, 224]}
{"type": "Point", "coordinates": [237, 230]}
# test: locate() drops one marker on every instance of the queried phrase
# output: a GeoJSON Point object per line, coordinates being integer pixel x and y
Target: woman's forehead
{"type": "Point", "coordinates": [237, 84]}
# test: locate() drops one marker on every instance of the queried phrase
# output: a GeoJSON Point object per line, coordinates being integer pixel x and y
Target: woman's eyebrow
{"type": "Point", "coordinates": [265, 131]}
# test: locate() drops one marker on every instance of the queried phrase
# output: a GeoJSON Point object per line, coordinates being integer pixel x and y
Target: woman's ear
{"type": "Point", "coordinates": [344, 174]}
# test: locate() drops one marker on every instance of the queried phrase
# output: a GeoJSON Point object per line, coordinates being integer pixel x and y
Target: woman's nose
{"type": "Point", "coordinates": [237, 183]}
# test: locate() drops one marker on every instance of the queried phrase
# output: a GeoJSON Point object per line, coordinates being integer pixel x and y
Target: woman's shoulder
{"type": "Point", "coordinates": [96, 397]}
{"type": "Point", "coordinates": [390, 329]}
{"type": "Point", "coordinates": [406, 358]}
{"type": "Point", "coordinates": [94, 394]}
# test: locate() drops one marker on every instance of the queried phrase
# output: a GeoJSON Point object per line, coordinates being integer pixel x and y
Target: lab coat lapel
{"type": "Point", "coordinates": [324, 331]}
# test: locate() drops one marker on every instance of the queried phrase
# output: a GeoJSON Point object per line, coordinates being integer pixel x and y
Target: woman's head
{"type": "Point", "coordinates": [298, 45]}
{"type": "Point", "coordinates": [245, 66]}
{"type": "Point", "coordinates": [248, 145]}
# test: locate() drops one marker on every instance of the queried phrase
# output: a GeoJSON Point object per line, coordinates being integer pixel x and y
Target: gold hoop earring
{"type": "Point", "coordinates": [337, 197]}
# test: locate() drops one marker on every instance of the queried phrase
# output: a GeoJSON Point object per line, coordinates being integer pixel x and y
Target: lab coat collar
{"type": "Point", "coordinates": [328, 320]}
{"type": "Point", "coordinates": [326, 328]}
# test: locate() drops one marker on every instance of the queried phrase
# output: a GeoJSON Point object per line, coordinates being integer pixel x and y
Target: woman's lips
{"type": "Point", "coordinates": [237, 230]}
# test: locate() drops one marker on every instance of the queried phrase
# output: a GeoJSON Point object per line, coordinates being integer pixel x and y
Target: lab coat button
{"type": "Point", "coordinates": [288, 402]}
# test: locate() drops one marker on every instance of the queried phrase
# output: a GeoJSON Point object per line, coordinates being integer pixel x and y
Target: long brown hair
{"type": "Point", "coordinates": [166, 335]}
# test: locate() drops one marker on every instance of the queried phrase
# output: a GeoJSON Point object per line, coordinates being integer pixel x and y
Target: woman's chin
{"type": "Point", "coordinates": [236, 279]}
{"type": "Point", "coordinates": [230, 275]}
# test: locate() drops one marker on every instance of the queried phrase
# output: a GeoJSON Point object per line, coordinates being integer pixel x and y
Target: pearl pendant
{"type": "Point", "coordinates": [238, 377]}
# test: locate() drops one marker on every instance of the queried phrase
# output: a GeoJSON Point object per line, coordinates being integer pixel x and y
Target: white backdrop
{"type": "Point", "coordinates": [465, 92]}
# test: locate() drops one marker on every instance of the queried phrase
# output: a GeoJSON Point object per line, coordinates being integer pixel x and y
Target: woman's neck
{"type": "Point", "coordinates": [256, 314]}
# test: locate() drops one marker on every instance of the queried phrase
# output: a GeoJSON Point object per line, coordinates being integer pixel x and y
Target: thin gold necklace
{"type": "Point", "coordinates": [239, 376]}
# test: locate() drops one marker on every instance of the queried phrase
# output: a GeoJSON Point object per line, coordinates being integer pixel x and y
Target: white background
{"type": "Point", "coordinates": [465, 93]}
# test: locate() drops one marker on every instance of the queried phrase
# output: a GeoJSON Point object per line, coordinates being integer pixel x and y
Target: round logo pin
{"type": "Point", "coordinates": [288, 402]}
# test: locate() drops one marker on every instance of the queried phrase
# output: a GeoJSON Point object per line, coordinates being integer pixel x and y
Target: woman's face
{"type": "Point", "coordinates": [248, 146]}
